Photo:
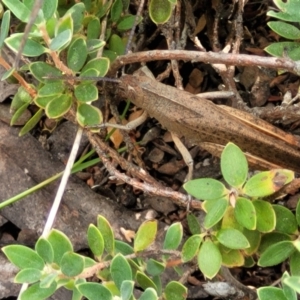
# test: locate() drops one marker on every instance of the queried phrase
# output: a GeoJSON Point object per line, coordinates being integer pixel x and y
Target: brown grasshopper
{"type": "Point", "coordinates": [212, 126]}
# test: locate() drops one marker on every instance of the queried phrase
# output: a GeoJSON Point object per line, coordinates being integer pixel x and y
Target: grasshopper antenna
{"type": "Point", "coordinates": [138, 14]}
{"type": "Point", "coordinates": [35, 10]}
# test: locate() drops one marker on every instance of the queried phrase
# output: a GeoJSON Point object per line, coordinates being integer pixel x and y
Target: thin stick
{"type": "Point", "coordinates": [63, 183]}
{"type": "Point", "coordinates": [139, 12]}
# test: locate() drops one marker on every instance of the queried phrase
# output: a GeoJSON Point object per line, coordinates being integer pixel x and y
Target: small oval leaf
{"type": "Point", "coordinates": [59, 106]}
{"type": "Point", "coordinates": [88, 115]}
{"type": "Point", "coordinates": [245, 213]}
{"type": "Point", "coordinates": [77, 54]}
{"type": "Point", "coordinates": [173, 236]}
{"type": "Point", "coordinates": [205, 188]}
{"type": "Point", "coordinates": [120, 270]}
{"type": "Point", "coordinates": [29, 275]}
{"type": "Point", "coordinates": [191, 247]}
{"type": "Point", "coordinates": [94, 291]}
{"type": "Point", "coordinates": [266, 183]}
{"type": "Point", "coordinates": [175, 291]}
{"type": "Point", "coordinates": [23, 257]}
{"type": "Point", "coordinates": [160, 11]}
{"type": "Point", "coordinates": [60, 244]}
{"type": "Point", "coordinates": [232, 238]}
{"type": "Point", "coordinates": [209, 259]}
{"type": "Point", "coordinates": [71, 264]}
{"type": "Point", "coordinates": [86, 92]}
{"type": "Point", "coordinates": [234, 165]}
{"type": "Point", "coordinates": [107, 233]}
{"type": "Point", "coordinates": [276, 254]}
{"type": "Point", "coordinates": [265, 216]}
{"type": "Point", "coordinates": [145, 235]}
{"type": "Point", "coordinates": [95, 240]}
{"type": "Point", "coordinates": [216, 210]}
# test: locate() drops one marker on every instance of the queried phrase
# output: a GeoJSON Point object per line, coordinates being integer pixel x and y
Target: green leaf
{"type": "Point", "coordinates": [94, 291]}
{"type": "Point", "coordinates": [126, 22]}
{"type": "Point", "coordinates": [294, 283]}
{"type": "Point", "coordinates": [173, 236]}
{"type": "Point", "coordinates": [127, 289]}
{"type": "Point", "coordinates": [71, 264]}
{"type": "Point", "coordinates": [229, 220]}
{"type": "Point", "coordinates": [276, 254]}
{"type": "Point", "coordinates": [111, 55]}
{"type": "Point", "coordinates": [29, 275]}
{"type": "Point", "coordinates": [288, 10]}
{"type": "Point", "coordinates": [144, 281]}
{"type": "Point", "coordinates": [175, 291]}
{"type": "Point", "coordinates": [285, 30]}
{"type": "Point", "coordinates": [95, 240]}
{"type": "Point", "coordinates": [232, 258]}
{"type": "Point", "coordinates": [35, 292]}
{"type": "Point", "coordinates": [77, 54]}
{"type": "Point", "coordinates": [32, 122]}
{"type": "Point", "coordinates": [120, 270]}
{"type": "Point", "coordinates": [23, 257]}
{"type": "Point", "coordinates": [191, 247]}
{"type": "Point", "coordinates": [193, 223]}
{"type": "Point", "coordinates": [288, 291]}
{"type": "Point", "coordinates": [149, 294]}
{"type": "Point", "coordinates": [77, 13]}
{"type": "Point", "coordinates": [60, 244]}
{"type": "Point", "coordinates": [93, 29]}
{"type": "Point", "coordinates": [61, 41]}
{"type": "Point", "coordinates": [232, 238]}
{"type": "Point", "coordinates": [116, 44]}
{"type": "Point", "coordinates": [265, 216]}
{"type": "Point", "coordinates": [270, 239]}
{"type": "Point", "coordinates": [43, 101]}
{"type": "Point", "coordinates": [123, 248]}
{"type": "Point", "coordinates": [234, 165]}
{"type": "Point", "coordinates": [100, 64]}
{"type": "Point", "coordinates": [19, 9]}
{"type": "Point", "coordinates": [267, 183]}
{"type": "Point", "coordinates": [44, 250]}
{"type": "Point", "coordinates": [145, 235]}
{"type": "Point", "coordinates": [205, 188]}
{"type": "Point", "coordinates": [88, 115]}
{"type": "Point", "coordinates": [31, 48]}
{"type": "Point", "coordinates": [254, 238]}
{"type": "Point", "coordinates": [298, 213]}
{"type": "Point", "coordinates": [267, 293]}
{"type": "Point", "coordinates": [245, 213]}
{"type": "Point", "coordinates": [155, 267]}
{"type": "Point", "coordinates": [4, 27]}
{"type": "Point", "coordinates": [116, 10]}
{"type": "Point", "coordinates": [160, 11]}
{"type": "Point", "coordinates": [21, 97]}
{"type": "Point", "coordinates": [49, 8]}
{"type": "Point", "coordinates": [59, 106]}
{"type": "Point", "coordinates": [107, 233]}
{"type": "Point", "coordinates": [282, 49]}
{"type": "Point", "coordinates": [20, 116]}
{"type": "Point", "coordinates": [295, 263]}
{"type": "Point", "coordinates": [64, 23]}
{"type": "Point", "coordinates": [209, 259]}
{"type": "Point", "coordinates": [285, 220]}
{"type": "Point", "coordinates": [216, 209]}
{"type": "Point", "coordinates": [86, 92]}
{"type": "Point", "coordinates": [41, 69]}
{"type": "Point", "coordinates": [53, 88]}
